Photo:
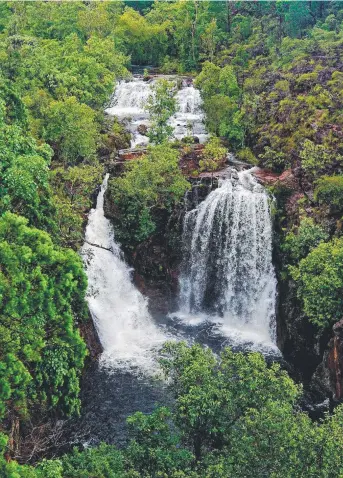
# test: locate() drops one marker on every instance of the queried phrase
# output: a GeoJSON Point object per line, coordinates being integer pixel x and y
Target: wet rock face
{"type": "Point", "coordinates": [90, 336]}
{"type": "Point", "coordinates": [296, 336]}
{"type": "Point", "coordinates": [328, 378]}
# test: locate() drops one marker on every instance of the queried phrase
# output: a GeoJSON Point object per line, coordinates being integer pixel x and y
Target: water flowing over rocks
{"type": "Point", "coordinates": [209, 265]}
{"type": "Point", "coordinates": [119, 311]}
{"type": "Point", "coordinates": [227, 269]}
{"type": "Point", "coordinates": [130, 98]}
{"type": "Point", "coordinates": [157, 261]}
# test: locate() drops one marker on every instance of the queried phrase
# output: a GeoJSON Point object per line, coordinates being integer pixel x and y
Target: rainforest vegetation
{"type": "Point", "coordinates": [271, 79]}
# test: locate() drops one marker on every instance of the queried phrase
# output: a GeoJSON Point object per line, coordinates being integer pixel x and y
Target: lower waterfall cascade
{"type": "Point", "coordinates": [227, 272]}
{"type": "Point", "coordinates": [119, 311]}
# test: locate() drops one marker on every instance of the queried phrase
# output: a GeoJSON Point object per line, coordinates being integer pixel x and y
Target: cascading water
{"type": "Point", "coordinates": [128, 102]}
{"type": "Point", "coordinates": [227, 277]}
{"type": "Point", "coordinates": [126, 330]}
{"type": "Point", "coordinates": [227, 269]}
{"type": "Point", "coordinates": [130, 98]}
{"type": "Point", "coordinates": [189, 117]}
{"type": "Point", "coordinates": [120, 313]}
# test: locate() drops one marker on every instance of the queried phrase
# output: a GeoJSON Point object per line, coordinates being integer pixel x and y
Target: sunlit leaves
{"type": "Point", "coordinates": [320, 283]}
{"type": "Point", "coordinates": [41, 295]}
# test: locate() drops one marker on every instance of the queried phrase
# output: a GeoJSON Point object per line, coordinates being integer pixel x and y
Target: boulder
{"type": "Point", "coordinates": [269, 178]}
{"type": "Point", "coordinates": [142, 129]}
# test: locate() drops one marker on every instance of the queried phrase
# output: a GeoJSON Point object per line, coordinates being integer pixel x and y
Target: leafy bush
{"type": "Point", "coordinates": [152, 183]}
{"type": "Point", "coordinates": [220, 91]}
{"type": "Point", "coordinates": [316, 159]}
{"type": "Point", "coordinates": [104, 461]}
{"type": "Point", "coordinates": [73, 190]}
{"type": "Point", "coordinates": [319, 277]}
{"type": "Point", "coordinates": [42, 291]}
{"type": "Point", "coordinates": [213, 155]}
{"type": "Point", "coordinates": [329, 191]}
{"type": "Point", "coordinates": [72, 130]}
{"type": "Point", "coordinates": [302, 239]}
{"type": "Point", "coordinates": [247, 156]}
{"type": "Point", "coordinates": [155, 445]}
{"type": "Point", "coordinates": [212, 395]}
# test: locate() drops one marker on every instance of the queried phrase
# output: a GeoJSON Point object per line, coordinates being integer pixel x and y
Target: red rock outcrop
{"type": "Point", "coordinates": [269, 178]}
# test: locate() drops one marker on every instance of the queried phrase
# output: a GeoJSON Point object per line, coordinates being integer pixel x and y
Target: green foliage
{"type": "Point", "coordinates": [211, 396]}
{"type": "Point", "coordinates": [161, 105]}
{"type": "Point", "coordinates": [221, 94]}
{"type": "Point", "coordinates": [23, 165]}
{"type": "Point", "coordinates": [73, 190]}
{"type": "Point", "coordinates": [237, 414]}
{"type": "Point", "coordinates": [208, 79]}
{"type": "Point", "coordinates": [145, 41]}
{"type": "Point", "coordinates": [71, 130]}
{"type": "Point", "coordinates": [213, 155]}
{"type": "Point", "coordinates": [49, 469]}
{"type": "Point", "coordinates": [271, 82]}
{"type": "Point", "coordinates": [247, 156]}
{"type": "Point", "coordinates": [64, 59]}
{"type": "Point", "coordinates": [302, 239]}
{"type": "Point", "coordinates": [155, 447]}
{"type": "Point", "coordinates": [329, 191]}
{"type": "Point", "coordinates": [42, 290]}
{"type": "Point", "coordinates": [319, 277]}
{"type": "Point", "coordinates": [103, 461]}
{"type": "Point", "coordinates": [274, 160]}
{"type": "Point", "coordinates": [151, 184]}
{"type": "Point", "coordinates": [316, 159]}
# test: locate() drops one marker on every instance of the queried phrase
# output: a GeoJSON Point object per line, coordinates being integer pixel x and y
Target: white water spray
{"type": "Point", "coordinates": [227, 271]}
{"type": "Point", "coordinates": [120, 313]}
{"type": "Point", "coordinates": [129, 101]}
{"type": "Point", "coordinates": [189, 117]}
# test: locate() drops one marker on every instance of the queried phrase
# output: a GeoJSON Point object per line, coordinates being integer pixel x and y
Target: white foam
{"type": "Point", "coordinates": [227, 275]}
{"type": "Point", "coordinates": [126, 330]}
{"type": "Point", "coordinates": [129, 102]}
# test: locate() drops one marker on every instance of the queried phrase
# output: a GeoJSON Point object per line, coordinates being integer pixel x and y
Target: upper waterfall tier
{"type": "Point", "coordinates": [129, 100]}
{"type": "Point", "coordinates": [227, 269]}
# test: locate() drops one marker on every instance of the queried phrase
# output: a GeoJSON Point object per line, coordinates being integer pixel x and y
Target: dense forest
{"type": "Point", "coordinates": [270, 76]}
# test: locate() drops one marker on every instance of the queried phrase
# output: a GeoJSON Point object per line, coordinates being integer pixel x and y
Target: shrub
{"type": "Point", "coordinates": [247, 156]}
{"type": "Point", "coordinates": [150, 184]}
{"type": "Point", "coordinates": [319, 277]}
{"type": "Point", "coordinates": [104, 461]}
{"type": "Point", "coordinates": [214, 155]}
{"type": "Point", "coordinates": [316, 159]}
{"type": "Point", "coordinates": [301, 240]}
{"type": "Point", "coordinates": [329, 191]}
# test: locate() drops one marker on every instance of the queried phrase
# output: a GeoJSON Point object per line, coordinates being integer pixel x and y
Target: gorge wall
{"type": "Point", "coordinates": [314, 358]}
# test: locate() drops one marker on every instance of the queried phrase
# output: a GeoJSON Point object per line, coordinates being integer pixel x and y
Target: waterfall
{"type": "Point", "coordinates": [189, 117]}
{"type": "Point", "coordinates": [227, 271]}
{"type": "Point", "coordinates": [129, 100]}
{"type": "Point", "coordinates": [120, 313]}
